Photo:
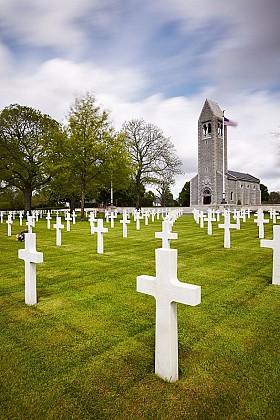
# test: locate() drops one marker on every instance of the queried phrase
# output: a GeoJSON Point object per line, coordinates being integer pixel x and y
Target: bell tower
{"type": "Point", "coordinates": [212, 144]}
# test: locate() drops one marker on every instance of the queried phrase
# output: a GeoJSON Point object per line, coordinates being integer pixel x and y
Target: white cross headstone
{"type": "Point", "coordinates": [68, 219]}
{"type": "Point", "coordinates": [227, 226]}
{"type": "Point", "coordinates": [112, 217]}
{"type": "Point", "coordinates": [30, 223]}
{"type": "Point", "coordinates": [107, 214]}
{"type": "Point", "coordinates": [146, 216]}
{"type": "Point", "coordinates": [124, 222]}
{"type": "Point", "coordinates": [201, 218]}
{"type": "Point", "coordinates": [260, 220]}
{"type": "Point", "coordinates": [9, 223]}
{"type": "Point", "coordinates": [167, 290]}
{"type": "Point", "coordinates": [166, 235]}
{"type": "Point", "coordinates": [138, 217]}
{"type": "Point", "coordinates": [31, 257]}
{"type": "Point", "coordinates": [218, 215]}
{"type": "Point", "coordinates": [195, 213]}
{"type": "Point", "coordinates": [275, 245]}
{"type": "Point", "coordinates": [99, 229]}
{"type": "Point", "coordinates": [209, 219]}
{"type": "Point", "coordinates": [73, 217]}
{"type": "Point", "coordinates": [20, 217]}
{"type": "Point", "coordinates": [237, 217]}
{"type": "Point", "coordinates": [58, 226]}
{"type": "Point", "coordinates": [92, 221]}
{"type": "Point", "coordinates": [48, 219]}
{"type": "Point", "coordinates": [1, 216]}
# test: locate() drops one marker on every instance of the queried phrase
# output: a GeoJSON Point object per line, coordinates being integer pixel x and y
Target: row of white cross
{"type": "Point", "coordinates": [260, 220]}
{"type": "Point", "coordinates": [212, 216]}
{"type": "Point", "coordinates": [164, 287]}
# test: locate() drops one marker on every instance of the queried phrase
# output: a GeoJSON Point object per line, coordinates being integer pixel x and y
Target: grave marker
{"type": "Point", "coordinates": [166, 235]}
{"type": "Point", "coordinates": [68, 219]}
{"type": "Point", "coordinates": [124, 222]}
{"type": "Point", "coordinates": [227, 226]}
{"type": "Point", "coordinates": [260, 220]}
{"type": "Point", "coordinates": [275, 245]}
{"type": "Point", "coordinates": [30, 223]}
{"type": "Point", "coordinates": [100, 230]}
{"type": "Point", "coordinates": [168, 291]}
{"type": "Point", "coordinates": [58, 226]}
{"type": "Point", "coordinates": [48, 219]}
{"type": "Point", "coordinates": [31, 257]}
{"type": "Point", "coordinates": [9, 223]}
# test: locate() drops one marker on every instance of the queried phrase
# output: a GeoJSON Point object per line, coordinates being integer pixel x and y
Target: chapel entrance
{"type": "Point", "coordinates": [207, 196]}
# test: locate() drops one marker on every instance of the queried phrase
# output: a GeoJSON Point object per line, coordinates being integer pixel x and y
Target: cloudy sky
{"type": "Point", "coordinates": [153, 59]}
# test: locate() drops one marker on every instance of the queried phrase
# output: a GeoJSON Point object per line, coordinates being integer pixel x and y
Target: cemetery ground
{"type": "Point", "coordinates": [86, 350]}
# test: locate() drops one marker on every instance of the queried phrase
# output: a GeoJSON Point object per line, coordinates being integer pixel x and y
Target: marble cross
{"type": "Point", "coordinates": [167, 291]}
{"type": "Point", "coordinates": [146, 215]}
{"type": "Point", "coordinates": [201, 218]}
{"type": "Point", "coordinates": [138, 217]}
{"type": "Point", "coordinates": [31, 257]}
{"type": "Point", "coordinates": [68, 219]}
{"type": "Point", "coordinates": [99, 229]}
{"type": "Point", "coordinates": [166, 235]}
{"type": "Point", "coordinates": [112, 217]}
{"type": "Point", "coordinates": [73, 217]}
{"type": "Point", "coordinates": [124, 222]}
{"type": "Point", "coordinates": [92, 221]}
{"type": "Point", "coordinates": [227, 226]}
{"type": "Point", "coordinates": [48, 219]}
{"type": "Point", "coordinates": [58, 226]}
{"type": "Point", "coordinates": [20, 217]}
{"type": "Point", "coordinates": [237, 217]}
{"type": "Point", "coordinates": [30, 223]}
{"type": "Point", "coordinates": [9, 223]}
{"type": "Point", "coordinates": [209, 219]}
{"type": "Point", "coordinates": [260, 220]}
{"type": "Point", "coordinates": [275, 245]}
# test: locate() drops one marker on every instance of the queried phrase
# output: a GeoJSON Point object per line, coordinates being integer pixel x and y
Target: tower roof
{"type": "Point", "coordinates": [212, 107]}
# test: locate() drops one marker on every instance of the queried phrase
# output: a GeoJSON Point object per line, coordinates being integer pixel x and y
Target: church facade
{"type": "Point", "coordinates": [210, 186]}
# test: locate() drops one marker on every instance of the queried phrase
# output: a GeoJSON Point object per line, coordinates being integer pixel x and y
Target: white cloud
{"type": "Point", "coordinates": [238, 68]}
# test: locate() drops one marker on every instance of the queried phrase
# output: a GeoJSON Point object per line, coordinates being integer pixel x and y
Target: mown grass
{"type": "Point", "coordinates": [86, 350]}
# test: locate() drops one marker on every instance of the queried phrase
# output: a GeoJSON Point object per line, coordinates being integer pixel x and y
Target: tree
{"type": "Point", "coordinates": [26, 137]}
{"type": "Point", "coordinates": [264, 194]}
{"type": "Point", "coordinates": [152, 154]}
{"type": "Point", "coordinates": [274, 197]}
{"type": "Point", "coordinates": [184, 195]}
{"type": "Point", "coordinates": [94, 154]}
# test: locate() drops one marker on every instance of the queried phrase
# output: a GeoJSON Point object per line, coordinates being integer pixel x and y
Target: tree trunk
{"type": "Point", "coordinates": [27, 199]}
{"type": "Point", "coordinates": [73, 201]}
{"type": "Point", "coordinates": [82, 205]}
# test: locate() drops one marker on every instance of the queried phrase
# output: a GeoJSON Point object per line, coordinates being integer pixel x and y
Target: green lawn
{"type": "Point", "coordinates": [86, 350]}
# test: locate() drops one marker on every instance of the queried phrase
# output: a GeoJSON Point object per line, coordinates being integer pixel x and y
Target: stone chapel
{"type": "Point", "coordinates": [208, 186]}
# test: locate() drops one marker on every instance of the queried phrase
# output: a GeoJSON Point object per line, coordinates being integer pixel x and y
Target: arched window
{"type": "Point", "coordinates": [209, 128]}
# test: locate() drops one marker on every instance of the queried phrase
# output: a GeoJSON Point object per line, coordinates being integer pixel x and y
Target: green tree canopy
{"type": "Point", "coordinates": [264, 193]}
{"type": "Point", "coordinates": [26, 139]}
{"type": "Point", "coordinates": [93, 153]}
{"type": "Point", "coordinates": [184, 195]}
{"type": "Point", "coordinates": [274, 197]}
